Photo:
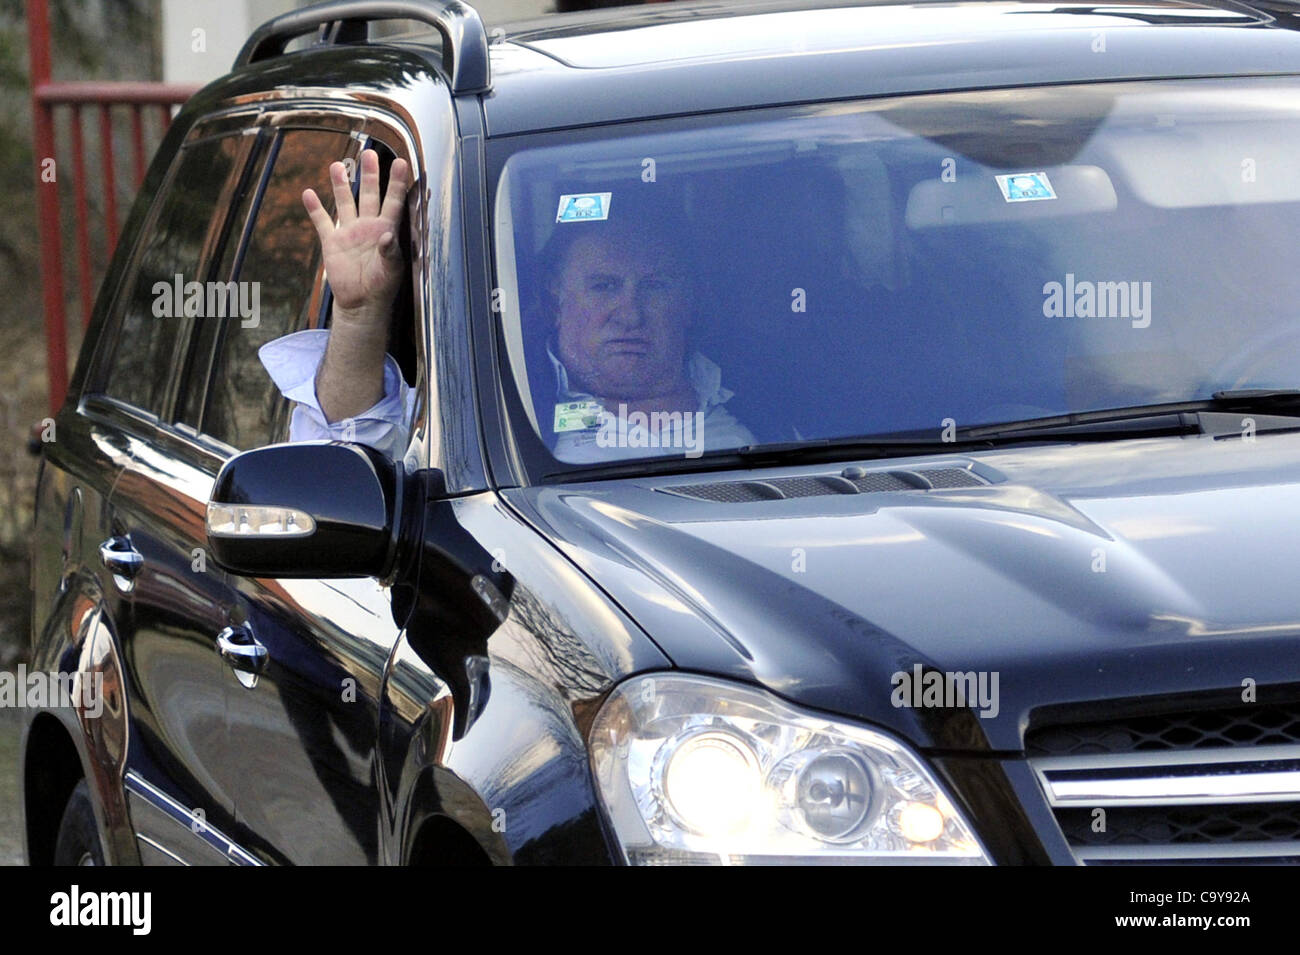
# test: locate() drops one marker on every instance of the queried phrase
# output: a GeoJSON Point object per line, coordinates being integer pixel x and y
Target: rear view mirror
{"type": "Point", "coordinates": [977, 199]}
{"type": "Point", "coordinates": [307, 509]}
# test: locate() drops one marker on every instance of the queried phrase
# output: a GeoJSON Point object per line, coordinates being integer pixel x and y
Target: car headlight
{"type": "Point", "coordinates": [692, 769]}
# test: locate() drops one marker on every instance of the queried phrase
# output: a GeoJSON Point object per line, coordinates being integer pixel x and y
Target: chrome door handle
{"type": "Point", "coordinates": [122, 560]}
{"type": "Point", "coordinates": [246, 656]}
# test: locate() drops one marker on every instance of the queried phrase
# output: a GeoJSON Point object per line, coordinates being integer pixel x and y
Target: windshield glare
{"type": "Point", "coordinates": [906, 264]}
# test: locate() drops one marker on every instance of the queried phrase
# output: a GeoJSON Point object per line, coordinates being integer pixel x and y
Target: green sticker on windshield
{"type": "Point", "coordinates": [577, 415]}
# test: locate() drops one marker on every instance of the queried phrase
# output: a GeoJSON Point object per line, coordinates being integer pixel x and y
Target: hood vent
{"type": "Point", "coordinates": [852, 480]}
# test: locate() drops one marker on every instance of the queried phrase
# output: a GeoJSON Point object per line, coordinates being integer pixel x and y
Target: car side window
{"type": "Point", "coordinates": [276, 275]}
{"type": "Point", "coordinates": [149, 340]}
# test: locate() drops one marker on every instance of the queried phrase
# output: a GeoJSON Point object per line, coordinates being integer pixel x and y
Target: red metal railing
{"type": "Point", "coordinates": [107, 101]}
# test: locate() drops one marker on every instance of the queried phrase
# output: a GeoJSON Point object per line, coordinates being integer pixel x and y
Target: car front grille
{"type": "Point", "coordinates": [1252, 724]}
{"type": "Point", "coordinates": [1216, 786]}
{"type": "Point", "coordinates": [1184, 825]}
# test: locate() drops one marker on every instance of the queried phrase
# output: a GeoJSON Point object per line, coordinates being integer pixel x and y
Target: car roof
{"type": "Point", "coordinates": [666, 59]}
{"type": "Point", "coordinates": [571, 70]}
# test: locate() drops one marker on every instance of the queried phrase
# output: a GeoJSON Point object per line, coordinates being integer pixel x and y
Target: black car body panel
{"type": "Point", "coordinates": [1194, 588]}
{"type": "Point", "coordinates": [704, 57]}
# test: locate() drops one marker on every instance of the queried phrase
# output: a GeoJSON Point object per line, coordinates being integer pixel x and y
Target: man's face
{"type": "Point", "coordinates": [622, 316]}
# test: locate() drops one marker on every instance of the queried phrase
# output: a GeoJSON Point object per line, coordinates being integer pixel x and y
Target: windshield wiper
{"type": "Point", "coordinates": [1261, 398]}
{"type": "Point", "coordinates": [1220, 414]}
{"type": "Point", "coordinates": [867, 447]}
{"type": "Point", "coordinates": [1271, 410]}
{"type": "Point", "coordinates": [768, 455]}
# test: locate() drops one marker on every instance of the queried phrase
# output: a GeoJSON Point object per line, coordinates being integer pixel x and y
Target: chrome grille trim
{"type": "Point", "coordinates": [1227, 783]}
{"type": "Point", "coordinates": [1194, 757]}
{"type": "Point", "coordinates": [1200, 778]}
{"type": "Point", "coordinates": [1210, 852]}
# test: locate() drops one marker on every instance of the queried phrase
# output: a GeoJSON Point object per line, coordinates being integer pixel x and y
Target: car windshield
{"type": "Point", "coordinates": [895, 265]}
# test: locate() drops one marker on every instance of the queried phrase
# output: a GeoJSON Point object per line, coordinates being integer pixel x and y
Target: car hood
{"type": "Point", "coordinates": [1062, 574]}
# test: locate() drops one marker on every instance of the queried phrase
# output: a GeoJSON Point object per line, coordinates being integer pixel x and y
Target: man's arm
{"type": "Point", "coordinates": [364, 264]}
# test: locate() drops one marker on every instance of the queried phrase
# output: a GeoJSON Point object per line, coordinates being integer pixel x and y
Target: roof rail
{"type": "Point", "coordinates": [464, 41]}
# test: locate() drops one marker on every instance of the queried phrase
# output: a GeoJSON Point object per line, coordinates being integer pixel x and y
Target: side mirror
{"type": "Point", "coordinates": [307, 509]}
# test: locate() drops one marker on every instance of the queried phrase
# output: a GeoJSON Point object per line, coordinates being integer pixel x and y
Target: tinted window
{"type": "Point", "coordinates": [888, 266]}
{"type": "Point", "coordinates": [149, 336]}
{"type": "Point", "coordinates": [276, 275]}
{"type": "Point", "coordinates": [189, 403]}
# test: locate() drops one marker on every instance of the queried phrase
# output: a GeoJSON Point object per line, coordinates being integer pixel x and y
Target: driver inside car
{"type": "Point", "coordinates": [626, 386]}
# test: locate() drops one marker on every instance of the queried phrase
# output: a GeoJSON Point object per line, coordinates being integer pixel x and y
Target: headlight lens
{"type": "Point", "coordinates": [711, 782]}
{"type": "Point", "coordinates": [692, 769]}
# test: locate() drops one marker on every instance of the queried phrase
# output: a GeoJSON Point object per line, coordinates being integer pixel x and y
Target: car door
{"type": "Point", "coordinates": [169, 607]}
{"type": "Point", "coordinates": [303, 728]}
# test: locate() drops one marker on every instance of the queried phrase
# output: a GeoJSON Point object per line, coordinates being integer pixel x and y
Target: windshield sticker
{"type": "Point", "coordinates": [577, 415]}
{"type": "Point", "coordinates": [585, 207]}
{"type": "Point", "coordinates": [1025, 187]}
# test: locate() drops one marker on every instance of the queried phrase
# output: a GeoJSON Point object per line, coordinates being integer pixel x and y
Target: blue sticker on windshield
{"type": "Point", "coordinates": [586, 207]}
{"type": "Point", "coordinates": [1025, 187]}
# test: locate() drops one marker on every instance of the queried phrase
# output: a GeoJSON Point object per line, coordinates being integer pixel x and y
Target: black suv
{"type": "Point", "coordinates": [976, 548]}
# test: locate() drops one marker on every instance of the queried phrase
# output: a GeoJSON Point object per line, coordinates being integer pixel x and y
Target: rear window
{"type": "Point", "coordinates": [148, 340]}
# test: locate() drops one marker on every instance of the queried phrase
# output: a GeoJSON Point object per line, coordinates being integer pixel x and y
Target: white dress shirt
{"type": "Point", "coordinates": [618, 435]}
{"type": "Point", "coordinates": [292, 361]}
